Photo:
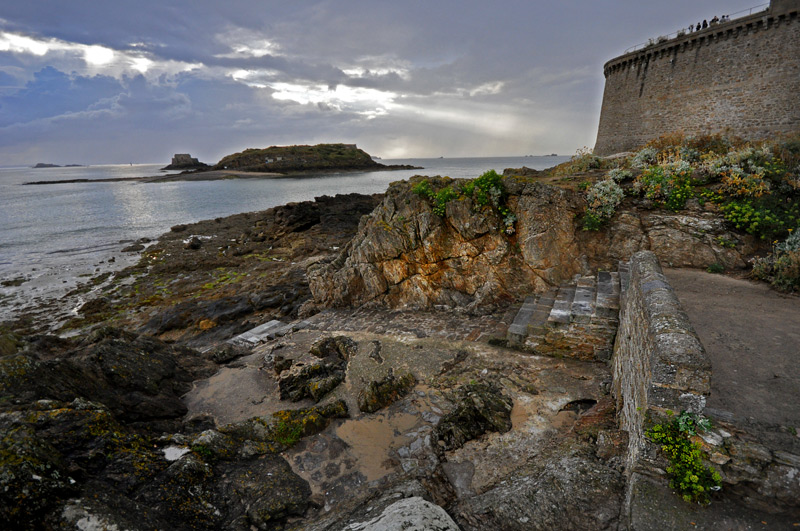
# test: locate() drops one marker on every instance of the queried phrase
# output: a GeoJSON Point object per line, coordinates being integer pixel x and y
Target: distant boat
{"type": "Point", "coordinates": [553, 154]}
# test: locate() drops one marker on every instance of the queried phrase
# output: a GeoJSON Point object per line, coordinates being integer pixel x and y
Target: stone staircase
{"type": "Point", "coordinates": [576, 320]}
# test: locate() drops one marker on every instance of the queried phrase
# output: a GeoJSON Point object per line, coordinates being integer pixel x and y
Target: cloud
{"type": "Point", "coordinates": [140, 81]}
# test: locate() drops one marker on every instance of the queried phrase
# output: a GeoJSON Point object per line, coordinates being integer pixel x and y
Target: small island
{"type": "Point", "coordinates": [40, 165]}
{"type": "Point", "coordinates": [302, 159]}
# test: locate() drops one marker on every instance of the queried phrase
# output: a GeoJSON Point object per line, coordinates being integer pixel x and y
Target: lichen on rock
{"type": "Point", "coordinates": [379, 394]}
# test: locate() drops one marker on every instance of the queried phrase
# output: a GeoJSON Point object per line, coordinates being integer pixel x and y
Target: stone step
{"type": "Point", "coordinates": [561, 313]}
{"type": "Point", "coordinates": [267, 331]}
{"type": "Point", "coordinates": [519, 328]}
{"type": "Point", "coordinates": [607, 299]}
{"type": "Point", "coordinates": [577, 320]}
{"type": "Point", "coordinates": [583, 302]}
{"type": "Point", "coordinates": [544, 304]}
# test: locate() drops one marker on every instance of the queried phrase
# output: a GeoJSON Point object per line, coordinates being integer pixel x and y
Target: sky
{"type": "Point", "coordinates": [103, 82]}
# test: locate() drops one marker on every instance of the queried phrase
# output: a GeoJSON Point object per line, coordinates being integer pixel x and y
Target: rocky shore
{"type": "Point", "coordinates": [336, 364]}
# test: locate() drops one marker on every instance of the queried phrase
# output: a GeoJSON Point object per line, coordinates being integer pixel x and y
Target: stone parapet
{"type": "Point", "coordinates": [659, 364]}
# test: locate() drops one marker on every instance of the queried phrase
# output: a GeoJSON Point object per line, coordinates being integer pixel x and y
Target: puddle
{"type": "Point", "coordinates": [519, 415]}
{"type": "Point", "coordinates": [371, 440]}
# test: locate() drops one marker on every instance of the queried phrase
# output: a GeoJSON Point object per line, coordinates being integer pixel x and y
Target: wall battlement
{"type": "Point", "coordinates": [741, 76]}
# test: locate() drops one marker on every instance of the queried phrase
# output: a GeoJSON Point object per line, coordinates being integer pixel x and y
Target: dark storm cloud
{"type": "Point", "coordinates": [400, 78]}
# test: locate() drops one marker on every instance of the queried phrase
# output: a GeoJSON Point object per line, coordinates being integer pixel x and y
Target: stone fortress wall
{"type": "Point", "coordinates": [741, 76]}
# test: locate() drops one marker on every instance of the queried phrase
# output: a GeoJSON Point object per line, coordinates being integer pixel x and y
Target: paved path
{"type": "Point", "coordinates": [752, 336]}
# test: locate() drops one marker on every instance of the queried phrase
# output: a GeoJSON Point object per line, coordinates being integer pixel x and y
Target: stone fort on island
{"type": "Point", "coordinates": [740, 76]}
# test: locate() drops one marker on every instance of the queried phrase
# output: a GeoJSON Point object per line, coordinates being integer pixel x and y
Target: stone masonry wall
{"type": "Point", "coordinates": [659, 363]}
{"type": "Point", "coordinates": [742, 76]}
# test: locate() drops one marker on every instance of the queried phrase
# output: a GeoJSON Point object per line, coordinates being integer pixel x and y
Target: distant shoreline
{"type": "Point", "coordinates": [218, 175]}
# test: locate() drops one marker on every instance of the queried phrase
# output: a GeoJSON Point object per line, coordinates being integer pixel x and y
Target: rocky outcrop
{"type": "Point", "coordinates": [406, 256]}
{"type": "Point", "coordinates": [136, 377]}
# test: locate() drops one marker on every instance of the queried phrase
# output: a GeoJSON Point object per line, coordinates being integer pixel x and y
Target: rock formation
{"type": "Point", "coordinates": [406, 256]}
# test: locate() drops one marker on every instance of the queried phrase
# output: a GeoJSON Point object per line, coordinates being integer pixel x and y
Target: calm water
{"type": "Point", "coordinates": [55, 235]}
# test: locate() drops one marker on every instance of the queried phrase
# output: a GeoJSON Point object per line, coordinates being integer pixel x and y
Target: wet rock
{"type": "Point", "coordinates": [9, 342]}
{"type": "Point", "coordinates": [193, 243]}
{"type": "Point", "coordinates": [261, 494]}
{"type": "Point", "coordinates": [410, 514]}
{"type": "Point", "coordinates": [227, 352]}
{"type": "Point", "coordinates": [338, 346]}
{"type": "Point", "coordinates": [375, 351]}
{"type": "Point", "coordinates": [134, 248]}
{"type": "Point", "coordinates": [280, 364]}
{"type": "Point", "coordinates": [178, 228]}
{"type": "Point", "coordinates": [480, 407]}
{"type": "Point", "coordinates": [281, 429]}
{"type": "Point", "coordinates": [316, 375]}
{"type": "Point", "coordinates": [566, 489]}
{"type": "Point", "coordinates": [136, 377]}
{"type": "Point", "coordinates": [33, 474]}
{"type": "Point", "coordinates": [314, 380]}
{"type": "Point", "coordinates": [191, 312]}
{"type": "Point", "coordinates": [379, 394]}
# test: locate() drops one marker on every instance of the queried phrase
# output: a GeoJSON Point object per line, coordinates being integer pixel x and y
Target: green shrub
{"type": "Point", "coordinates": [688, 475]}
{"type": "Point", "coordinates": [645, 157]}
{"type": "Point", "coordinates": [716, 268]}
{"type": "Point", "coordinates": [441, 199]}
{"type": "Point", "coordinates": [603, 199]}
{"type": "Point", "coordinates": [670, 185]}
{"type": "Point", "coordinates": [619, 175]}
{"type": "Point", "coordinates": [423, 189]}
{"type": "Point", "coordinates": [781, 268]}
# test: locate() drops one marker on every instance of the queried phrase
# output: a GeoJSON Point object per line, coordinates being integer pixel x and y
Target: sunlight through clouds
{"type": "Point", "coordinates": [91, 59]}
{"type": "Point", "coordinates": [342, 97]}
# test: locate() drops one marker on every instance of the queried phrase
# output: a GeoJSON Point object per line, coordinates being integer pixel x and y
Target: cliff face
{"type": "Point", "coordinates": [406, 256]}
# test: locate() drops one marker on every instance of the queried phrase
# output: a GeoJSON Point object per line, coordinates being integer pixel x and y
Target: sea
{"type": "Point", "coordinates": [54, 237]}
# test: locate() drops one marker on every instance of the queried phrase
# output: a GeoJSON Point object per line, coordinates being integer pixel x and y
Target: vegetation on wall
{"type": "Point", "coordinates": [689, 476]}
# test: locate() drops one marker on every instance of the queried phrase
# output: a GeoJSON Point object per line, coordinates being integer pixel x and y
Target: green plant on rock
{"type": "Point", "coordinates": [287, 432]}
{"type": "Point", "coordinates": [441, 198]}
{"type": "Point", "coordinates": [619, 175]}
{"type": "Point", "coordinates": [781, 268]}
{"type": "Point", "coordinates": [486, 191]}
{"type": "Point", "coordinates": [693, 480]}
{"type": "Point", "coordinates": [423, 189]}
{"type": "Point", "coordinates": [669, 185]}
{"type": "Point", "coordinates": [603, 199]}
